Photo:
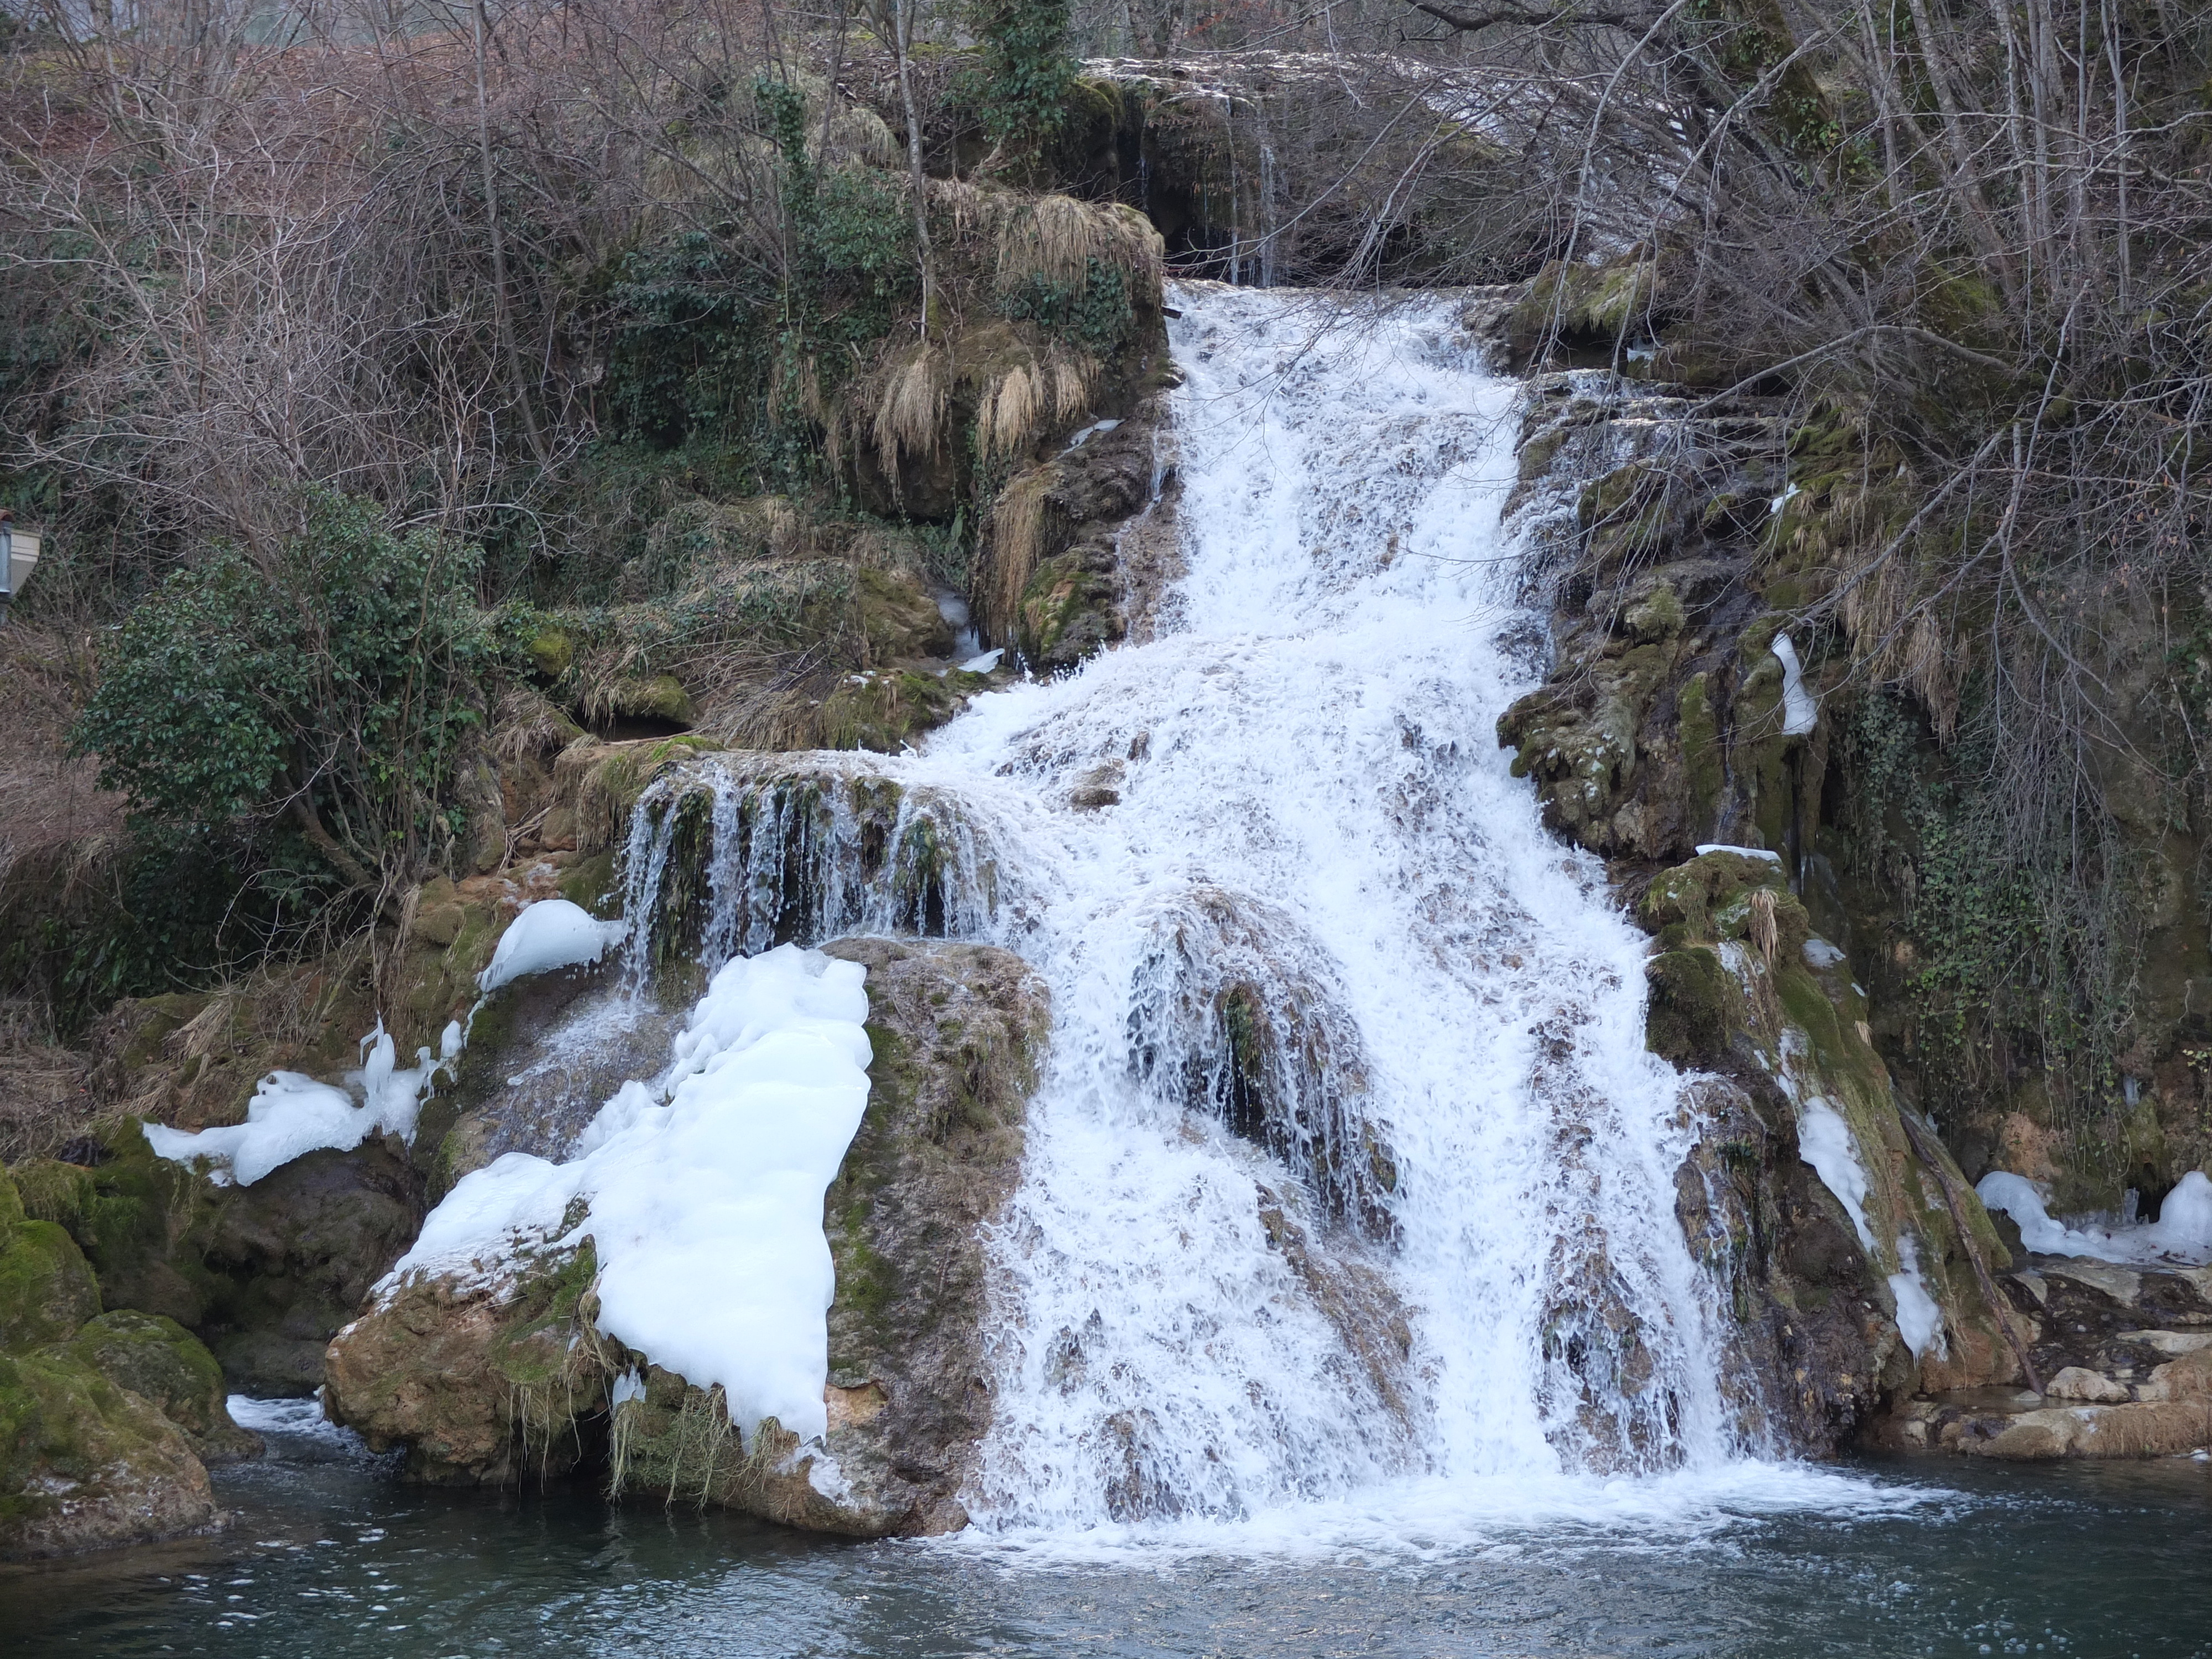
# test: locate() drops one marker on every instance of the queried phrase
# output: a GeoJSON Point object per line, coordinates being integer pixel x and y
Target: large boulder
{"type": "Point", "coordinates": [84, 1463]}
{"type": "Point", "coordinates": [264, 1275]}
{"type": "Point", "coordinates": [502, 1373]}
{"type": "Point", "coordinates": [88, 1457]}
{"type": "Point", "coordinates": [164, 1365]}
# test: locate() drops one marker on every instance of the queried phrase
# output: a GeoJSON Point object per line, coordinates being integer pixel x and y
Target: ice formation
{"type": "Point", "coordinates": [2182, 1233]}
{"type": "Point", "coordinates": [1799, 715]}
{"type": "Point", "coordinates": [551, 934]}
{"type": "Point", "coordinates": [1919, 1318]}
{"type": "Point", "coordinates": [704, 1190]}
{"type": "Point", "coordinates": [1824, 1140]}
{"type": "Point", "coordinates": [292, 1115]}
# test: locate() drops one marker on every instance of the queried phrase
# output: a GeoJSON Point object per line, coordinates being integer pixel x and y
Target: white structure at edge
{"type": "Point", "coordinates": [704, 1190]}
{"type": "Point", "coordinates": [1799, 715]}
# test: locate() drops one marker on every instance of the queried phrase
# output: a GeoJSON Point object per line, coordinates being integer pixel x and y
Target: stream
{"type": "Point", "coordinates": [328, 1554]}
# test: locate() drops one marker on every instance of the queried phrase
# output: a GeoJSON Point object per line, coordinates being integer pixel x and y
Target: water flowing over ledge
{"type": "Point", "coordinates": [1350, 1168]}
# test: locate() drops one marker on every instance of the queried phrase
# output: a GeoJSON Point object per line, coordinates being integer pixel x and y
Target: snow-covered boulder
{"type": "Point", "coordinates": [655, 1309]}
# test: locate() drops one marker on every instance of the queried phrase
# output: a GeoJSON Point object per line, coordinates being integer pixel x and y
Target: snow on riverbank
{"type": "Point", "coordinates": [704, 1189]}
{"type": "Point", "coordinates": [2182, 1233]}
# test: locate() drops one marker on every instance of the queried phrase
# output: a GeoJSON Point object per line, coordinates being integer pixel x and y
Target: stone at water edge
{"type": "Point", "coordinates": [83, 1463]}
{"type": "Point", "coordinates": [494, 1383]}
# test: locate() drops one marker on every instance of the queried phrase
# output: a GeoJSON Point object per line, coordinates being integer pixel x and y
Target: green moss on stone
{"type": "Point", "coordinates": [72, 1441]}
{"type": "Point", "coordinates": [165, 1364]}
{"type": "Point", "coordinates": [1702, 762]}
{"type": "Point", "coordinates": [47, 1286]}
{"type": "Point", "coordinates": [1692, 1007]}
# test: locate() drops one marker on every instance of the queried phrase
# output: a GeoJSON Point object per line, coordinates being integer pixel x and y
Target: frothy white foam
{"type": "Point", "coordinates": [549, 934]}
{"type": "Point", "coordinates": [1307, 767]}
{"type": "Point", "coordinates": [704, 1190]}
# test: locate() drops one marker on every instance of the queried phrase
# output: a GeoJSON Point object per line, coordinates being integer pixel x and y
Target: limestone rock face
{"type": "Point", "coordinates": [1769, 1016]}
{"type": "Point", "coordinates": [1673, 545]}
{"type": "Point", "coordinates": [505, 1376]}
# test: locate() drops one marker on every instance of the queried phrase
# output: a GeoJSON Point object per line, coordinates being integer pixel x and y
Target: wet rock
{"type": "Point", "coordinates": [86, 1464]}
{"type": "Point", "coordinates": [544, 1052]}
{"type": "Point", "coordinates": [262, 1274]}
{"type": "Point", "coordinates": [1050, 585]}
{"type": "Point", "coordinates": [503, 1375]}
{"type": "Point", "coordinates": [482, 1381]}
{"type": "Point", "coordinates": [1237, 1021]}
{"type": "Point", "coordinates": [164, 1365]}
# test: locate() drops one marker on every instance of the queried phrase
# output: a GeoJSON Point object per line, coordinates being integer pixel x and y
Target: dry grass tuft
{"type": "Point", "coordinates": [526, 725]}
{"type": "Point", "coordinates": [1018, 529]}
{"type": "Point", "coordinates": [1057, 237]}
{"type": "Point", "coordinates": [910, 412]}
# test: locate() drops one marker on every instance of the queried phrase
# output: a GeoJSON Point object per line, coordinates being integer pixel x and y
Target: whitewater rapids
{"type": "Point", "coordinates": [1304, 774]}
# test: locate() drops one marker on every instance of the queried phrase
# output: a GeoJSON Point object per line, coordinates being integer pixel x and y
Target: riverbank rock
{"type": "Point", "coordinates": [105, 1419]}
{"type": "Point", "coordinates": [501, 1374]}
{"type": "Point", "coordinates": [2122, 1368]}
{"type": "Point", "coordinates": [264, 1275]}
{"type": "Point", "coordinates": [1858, 1260]}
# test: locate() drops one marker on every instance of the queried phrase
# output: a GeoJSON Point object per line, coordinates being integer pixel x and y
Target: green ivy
{"type": "Point", "coordinates": [1022, 88]}
{"type": "Point", "coordinates": [2015, 943]}
{"type": "Point", "coordinates": [1095, 314]}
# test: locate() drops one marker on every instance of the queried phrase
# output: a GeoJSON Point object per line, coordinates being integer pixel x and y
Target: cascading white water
{"type": "Point", "coordinates": [1349, 1175]}
{"type": "Point", "coordinates": [1308, 777]}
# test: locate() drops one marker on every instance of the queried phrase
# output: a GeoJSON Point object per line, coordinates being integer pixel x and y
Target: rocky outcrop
{"type": "Point", "coordinates": [107, 1420]}
{"type": "Point", "coordinates": [262, 1274]}
{"type": "Point", "coordinates": [2122, 1367]}
{"type": "Point", "coordinates": [1051, 583]}
{"type": "Point", "coordinates": [1680, 541]}
{"type": "Point", "coordinates": [503, 1376]}
{"type": "Point", "coordinates": [1811, 1197]}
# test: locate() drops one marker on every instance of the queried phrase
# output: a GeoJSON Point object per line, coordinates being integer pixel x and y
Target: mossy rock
{"type": "Point", "coordinates": [655, 697]}
{"type": "Point", "coordinates": [130, 1217]}
{"type": "Point", "coordinates": [1707, 900]}
{"type": "Point", "coordinates": [1693, 1010]}
{"type": "Point", "coordinates": [551, 651]}
{"type": "Point", "coordinates": [595, 884]}
{"type": "Point", "coordinates": [1586, 303]}
{"type": "Point", "coordinates": [85, 1463]}
{"type": "Point", "coordinates": [47, 1286]}
{"type": "Point", "coordinates": [883, 712]}
{"type": "Point", "coordinates": [900, 618]}
{"type": "Point", "coordinates": [165, 1364]}
{"type": "Point", "coordinates": [1703, 766]}
{"type": "Point", "coordinates": [1066, 612]}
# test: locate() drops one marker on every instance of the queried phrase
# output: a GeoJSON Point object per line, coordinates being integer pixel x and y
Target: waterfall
{"type": "Point", "coordinates": [1349, 1171]}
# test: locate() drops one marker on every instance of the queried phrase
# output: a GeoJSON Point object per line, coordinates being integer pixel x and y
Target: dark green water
{"type": "Point", "coordinates": [328, 1557]}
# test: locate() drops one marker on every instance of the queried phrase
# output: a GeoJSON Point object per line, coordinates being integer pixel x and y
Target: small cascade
{"type": "Point", "coordinates": [733, 856]}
